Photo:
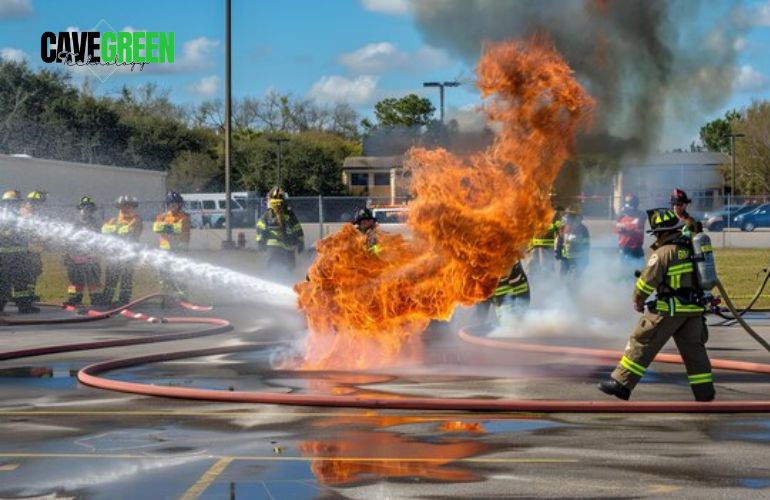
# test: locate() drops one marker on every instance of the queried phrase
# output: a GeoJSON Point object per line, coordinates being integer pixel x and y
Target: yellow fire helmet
{"type": "Point", "coordinates": [12, 195]}
{"type": "Point", "coordinates": [37, 196]}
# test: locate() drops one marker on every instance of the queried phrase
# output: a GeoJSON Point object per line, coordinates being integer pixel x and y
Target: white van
{"type": "Point", "coordinates": [207, 210]}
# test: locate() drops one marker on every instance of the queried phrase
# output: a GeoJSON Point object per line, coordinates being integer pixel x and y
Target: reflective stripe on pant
{"type": "Point", "coordinates": [651, 334]}
{"type": "Point", "coordinates": [84, 277]}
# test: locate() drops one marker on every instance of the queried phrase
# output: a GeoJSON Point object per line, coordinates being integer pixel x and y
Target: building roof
{"type": "Point", "coordinates": [19, 160]}
{"type": "Point", "coordinates": [373, 161]}
{"type": "Point", "coordinates": [679, 159]}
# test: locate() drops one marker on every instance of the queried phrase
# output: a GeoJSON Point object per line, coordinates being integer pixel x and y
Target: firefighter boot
{"type": "Point", "coordinates": [703, 392]}
{"type": "Point", "coordinates": [615, 388]}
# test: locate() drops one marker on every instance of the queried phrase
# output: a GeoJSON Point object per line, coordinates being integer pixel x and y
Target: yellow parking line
{"type": "Point", "coordinates": [8, 467]}
{"type": "Point", "coordinates": [206, 479]}
{"type": "Point", "coordinates": [271, 458]}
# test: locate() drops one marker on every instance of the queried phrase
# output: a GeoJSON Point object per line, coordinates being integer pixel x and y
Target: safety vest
{"type": "Point", "coordinates": [173, 229]}
{"type": "Point", "coordinates": [123, 226]}
{"type": "Point", "coordinates": [547, 238]}
{"type": "Point", "coordinates": [670, 273]}
{"type": "Point", "coordinates": [515, 284]}
{"type": "Point", "coordinates": [273, 232]}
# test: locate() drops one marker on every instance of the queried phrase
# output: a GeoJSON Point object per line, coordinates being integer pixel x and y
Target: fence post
{"type": "Point", "coordinates": [320, 217]}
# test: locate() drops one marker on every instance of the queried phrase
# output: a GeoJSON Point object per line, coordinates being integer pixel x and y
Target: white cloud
{"type": "Point", "coordinates": [747, 79]}
{"type": "Point", "coordinates": [15, 8]}
{"type": "Point", "coordinates": [206, 86]}
{"type": "Point", "coordinates": [378, 58]}
{"type": "Point", "coordinates": [392, 7]}
{"type": "Point", "coordinates": [11, 54]}
{"type": "Point", "coordinates": [196, 55]}
{"type": "Point", "coordinates": [356, 91]}
{"type": "Point", "coordinates": [740, 43]}
{"type": "Point", "coordinates": [761, 16]}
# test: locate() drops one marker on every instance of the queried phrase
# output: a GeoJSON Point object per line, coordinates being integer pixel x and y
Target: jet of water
{"type": "Point", "coordinates": [224, 281]}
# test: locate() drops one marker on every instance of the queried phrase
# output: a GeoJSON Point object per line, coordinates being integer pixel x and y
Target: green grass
{"type": "Point", "coordinates": [740, 271]}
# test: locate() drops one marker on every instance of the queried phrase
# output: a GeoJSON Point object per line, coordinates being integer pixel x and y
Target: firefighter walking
{"type": "Point", "coordinates": [173, 230]}
{"type": "Point", "coordinates": [676, 311]}
{"type": "Point", "coordinates": [279, 232]}
{"type": "Point", "coordinates": [128, 227]}
{"type": "Point", "coordinates": [83, 268]}
{"type": "Point", "coordinates": [630, 229]}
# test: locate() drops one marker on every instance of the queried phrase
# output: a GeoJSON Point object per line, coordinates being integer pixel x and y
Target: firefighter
{"type": "Point", "coordinates": [366, 223]}
{"type": "Point", "coordinates": [679, 202]}
{"type": "Point", "coordinates": [83, 269]}
{"type": "Point", "coordinates": [542, 244]}
{"type": "Point", "coordinates": [30, 261]}
{"type": "Point", "coordinates": [279, 231]}
{"type": "Point", "coordinates": [676, 310]}
{"type": "Point", "coordinates": [13, 247]}
{"type": "Point", "coordinates": [128, 227]}
{"type": "Point", "coordinates": [630, 229]}
{"type": "Point", "coordinates": [173, 230]}
{"type": "Point", "coordinates": [512, 295]}
{"type": "Point", "coordinates": [572, 244]}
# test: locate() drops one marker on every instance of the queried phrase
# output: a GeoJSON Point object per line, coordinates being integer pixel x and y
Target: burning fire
{"type": "Point", "coordinates": [470, 220]}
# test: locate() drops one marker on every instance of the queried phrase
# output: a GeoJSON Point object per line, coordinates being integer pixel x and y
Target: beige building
{"type": "Point", "coordinates": [373, 176]}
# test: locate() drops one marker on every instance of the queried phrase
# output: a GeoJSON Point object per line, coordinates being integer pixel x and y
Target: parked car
{"type": "Point", "coordinates": [759, 217]}
{"type": "Point", "coordinates": [207, 210]}
{"type": "Point", "coordinates": [717, 221]}
{"type": "Point", "coordinates": [390, 215]}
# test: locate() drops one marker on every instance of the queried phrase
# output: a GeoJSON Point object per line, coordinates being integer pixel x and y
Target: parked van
{"type": "Point", "coordinates": [207, 210]}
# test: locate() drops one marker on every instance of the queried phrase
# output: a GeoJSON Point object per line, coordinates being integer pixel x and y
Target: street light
{"type": "Point", "coordinates": [441, 86]}
{"type": "Point", "coordinates": [278, 141]}
{"type": "Point", "coordinates": [732, 178]}
{"type": "Point", "coordinates": [228, 243]}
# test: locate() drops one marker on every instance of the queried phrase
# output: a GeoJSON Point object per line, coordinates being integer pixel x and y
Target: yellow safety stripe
{"type": "Point", "coordinates": [109, 228]}
{"type": "Point", "coordinates": [643, 287]}
{"type": "Point", "coordinates": [124, 229]}
{"type": "Point", "coordinates": [165, 245]}
{"type": "Point", "coordinates": [701, 378]}
{"type": "Point", "coordinates": [518, 290]}
{"type": "Point", "coordinates": [177, 227]}
{"type": "Point", "coordinates": [158, 227]}
{"type": "Point", "coordinates": [676, 281]}
{"type": "Point", "coordinates": [632, 366]}
{"type": "Point", "coordinates": [680, 269]}
{"type": "Point", "coordinates": [540, 242]}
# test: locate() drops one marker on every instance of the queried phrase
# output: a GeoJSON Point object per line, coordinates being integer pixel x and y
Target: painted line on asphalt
{"type": "Point", "coordinates": [268, 458]}
{"type": "Point", "coordinates": [206, 479]}
{"type": "Point", "coordinates": [8, 467]}
{"type": "Point", "coordinates": [174, 413]}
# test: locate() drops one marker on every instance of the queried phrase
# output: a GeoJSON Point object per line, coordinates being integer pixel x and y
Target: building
{"type": "Point", "coordinates": [66, 182]}
{"type": "Point", "coordinates": [374, 176]}
{"type": "Point", "coordinates": [653, 177]}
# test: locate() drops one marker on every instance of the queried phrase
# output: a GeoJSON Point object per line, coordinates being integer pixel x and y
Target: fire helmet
{"type": "Point", "coordinates": [12, 195]}
{"type": "Point", "coordinates": [174, 197]}
{"type": "Point", "coordinates": [663, 219]}
{"type": "Point", "coordinates": [125, 200]}
{"type": "Point", "coordinates": [631, 201]}
{"type": "Point", "coordinates": [37, 197]}
{"type": "Point", "coordinates": [364, 214]}
{"type": "Point", "coordinates": [87, 202]}
{"type": "Point", "coordinates": [678, 197]}
{"type": "Point", "coordinates": [276, 198]}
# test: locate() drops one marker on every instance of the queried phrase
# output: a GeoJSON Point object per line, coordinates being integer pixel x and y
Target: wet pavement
{"type": "Point", "coordinates": [60, 439]}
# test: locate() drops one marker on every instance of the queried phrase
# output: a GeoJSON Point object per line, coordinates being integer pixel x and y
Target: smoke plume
{"type": "Point", "coordinates": [648, 63]}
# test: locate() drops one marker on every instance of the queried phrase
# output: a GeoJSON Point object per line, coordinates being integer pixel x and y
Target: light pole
{"type": "Point", "coordinates": [441, 86]}
{"type": "Point", "coordinates": [228, 243]}
{"type": "Point", "coordinates": [279, 142]}
{"type": "Point", "coordinates": [732, 178]}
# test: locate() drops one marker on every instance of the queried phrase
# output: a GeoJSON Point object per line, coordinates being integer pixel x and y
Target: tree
{"type": "Point", "coordinates": [753, 150]}
{"type": "Point", "coordinates": [408, 111]}
{"type": "Point", "coordinates": [193, 172]}
{"type": "Point", "coordinates": [715, 134]}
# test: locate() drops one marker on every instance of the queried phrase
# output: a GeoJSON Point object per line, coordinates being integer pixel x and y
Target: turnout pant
{"type": "Point", "coordinates": [118, 273]}
{"type": "Point", "coordinates": [30, 267]}
{"type": "Point", "coordinates": [86, 276]}
{"type": "Point", "coordinates": [649, 337]}
{"type": "Point", "coordinates": [12, 283]}
{"type": "Point", "coordinates": [280, 257]}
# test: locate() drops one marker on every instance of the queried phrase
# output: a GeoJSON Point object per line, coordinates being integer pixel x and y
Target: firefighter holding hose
{"type": "Point", "coordinates": [511, 296]}
{"type": "Point", "coordinates": [366, 223]}
{"type": "Point", "coordinates": [30, 261]}
{"type": "Point", "coordinates": [572, 245]}
{"type": "Point", "coordinates": [542, 256]}
{"type": "Point", "coordinates": [279, 231]}
{"type": "Point", "coordinates": [173, 230]}
{"type": "Point", "coordinates": [677, 311]}
{"type": "Point", "coordinates": [13, 246]}
{"type": "Point", "coordinates": [83, 269]}
{"type": "Point", "coordinates": [128, 227]}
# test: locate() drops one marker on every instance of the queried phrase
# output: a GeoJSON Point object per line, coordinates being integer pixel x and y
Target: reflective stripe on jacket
{"type": "Point", "coordinates": [280, 230]}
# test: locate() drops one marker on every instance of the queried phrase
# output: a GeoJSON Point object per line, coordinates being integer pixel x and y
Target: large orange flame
{"type": "Point", "coordinates": [470, 219]}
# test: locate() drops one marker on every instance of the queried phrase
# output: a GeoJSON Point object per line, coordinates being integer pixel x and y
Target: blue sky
{"type": "Point", "coordinates": [359, 50]}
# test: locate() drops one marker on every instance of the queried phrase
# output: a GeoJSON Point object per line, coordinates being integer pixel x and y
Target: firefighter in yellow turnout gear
{"type": "Point", "coordinates": [279, 232]}
{"type": "Point", "coordinates": [542, 256]}
{"type": "Point", "coordinates": [512, 295]}
{"type": "Point", "coordinates": [676, 311]}
{"type": "Point", "coordinates": [13, 251]}
{"type": "Point", "coordinates": [173, 229]}
{"type": "Point", "coordinates": [127, 226]}
{"type": "Point", "coordinates": [366, 223]}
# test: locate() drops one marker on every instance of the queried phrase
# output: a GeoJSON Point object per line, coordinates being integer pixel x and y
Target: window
{"type": "Point", "coordinates": [209, 205]}
{"type": "Point", "coordinates": [382, 179]}
{"type": "Point", "coordinates": [359, 179]}
{"type": "Point", "coordinates": [193, 205]}
{"type": "Point", "coordinates": [234, 205]}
